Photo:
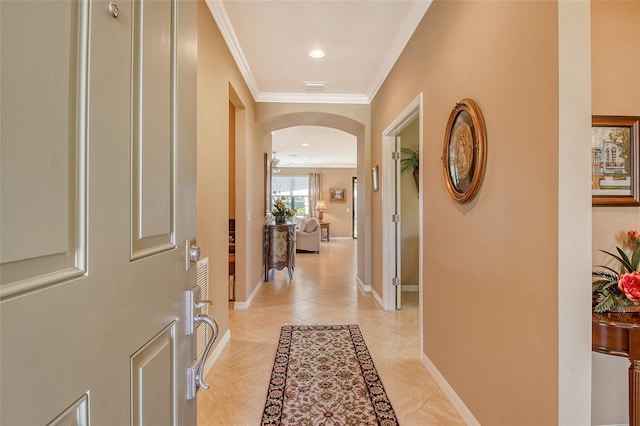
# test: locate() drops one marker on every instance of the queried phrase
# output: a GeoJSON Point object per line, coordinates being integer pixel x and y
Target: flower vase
{"type": "Point", "coordinates": [280, 220]}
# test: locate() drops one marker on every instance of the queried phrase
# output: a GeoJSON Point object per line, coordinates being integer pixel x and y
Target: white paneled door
{"type": "Point", "coordinates": [98, 141]}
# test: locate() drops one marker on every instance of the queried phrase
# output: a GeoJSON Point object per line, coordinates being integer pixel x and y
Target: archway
{"type": "Point", "coordinates": [356, 128]}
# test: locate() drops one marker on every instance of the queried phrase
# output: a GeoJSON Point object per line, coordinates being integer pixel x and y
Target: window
{"type": "Point", "coordinates": [296, 189]}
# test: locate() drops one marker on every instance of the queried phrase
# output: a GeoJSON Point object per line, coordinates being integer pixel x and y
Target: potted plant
{"type": "Point", "coordinates": [619, 290]}
{"type": "Point", "coordinates": [281, 212]}
{"type": "Point", "coordinates": [411, 161]}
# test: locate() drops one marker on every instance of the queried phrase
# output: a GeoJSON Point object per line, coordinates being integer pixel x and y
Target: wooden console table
{"type": "Point", "coordinates": [619, 335]}
{"type": "Point", "coordinates": [327, 227]}
{"type": "Point", "coordinates": [279, 248]}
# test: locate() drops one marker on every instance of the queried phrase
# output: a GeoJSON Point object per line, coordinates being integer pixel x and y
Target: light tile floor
{"type": "Point", "coordinates": [323, 291]}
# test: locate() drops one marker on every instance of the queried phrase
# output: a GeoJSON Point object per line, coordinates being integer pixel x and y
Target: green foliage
{"type": "Point", "coordinates": [607, 295]}
{"type": "Point", "coordinates": [623, 259]}
{"type": "Point", "coordinates": [410, 161]}
{"type": "Point", "coordinates": [281, 210]}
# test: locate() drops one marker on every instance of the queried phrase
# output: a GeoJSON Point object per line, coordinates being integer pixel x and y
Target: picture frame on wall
{"type": "Point", "coordinates": [464, 151]}
{"type": "Point", "coordinates": [374, 178]}
{"type": "Point", "coordinates": [615, 166]}
{"type": "Point", "coordinates": [337, 195]}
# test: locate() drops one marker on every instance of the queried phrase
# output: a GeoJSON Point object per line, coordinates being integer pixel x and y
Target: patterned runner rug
{"type": "Point", "coordinates": [324, 375]}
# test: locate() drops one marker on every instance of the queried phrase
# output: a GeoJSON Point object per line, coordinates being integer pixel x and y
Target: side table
{"type": "Point", "coordinates": [279, 248]}
{"type": "Point", "coordinates": [326, 226]}
{"type": "Point", "coordinates": [619, 335]}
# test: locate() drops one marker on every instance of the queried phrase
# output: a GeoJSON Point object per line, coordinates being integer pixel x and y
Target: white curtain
{"type": "Point", "coordinates": [315, 192]}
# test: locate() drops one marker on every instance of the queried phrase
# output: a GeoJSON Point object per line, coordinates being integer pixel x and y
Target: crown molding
{"type": "Point", "coordinates": [408, 28]}
{"type": "Point", "coordinates": [222, 19]}
{"type": "Point", "coordinates": [313, 98]}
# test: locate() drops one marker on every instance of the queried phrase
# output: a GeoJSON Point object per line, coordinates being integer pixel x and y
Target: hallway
{"type": "Point", "coordinates": [323, 291]}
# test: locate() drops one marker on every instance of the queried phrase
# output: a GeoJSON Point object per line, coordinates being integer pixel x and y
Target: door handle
{"type": "Point", "coordinates": [202, 304]}
{"type": "Point", "coordinates": [196, 371]}
{"type": "Point", "coordinates": [193, 317]}
{"type": "Point", "coordinates": [205, 319]}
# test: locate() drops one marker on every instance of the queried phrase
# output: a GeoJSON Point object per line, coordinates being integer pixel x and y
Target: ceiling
{"type": "Point", "coordinates": [270, 41]}
{"type": "Point", "coordinates": [314, 146]}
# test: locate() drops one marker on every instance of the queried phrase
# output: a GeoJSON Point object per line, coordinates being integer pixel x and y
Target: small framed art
{"type": "Point", "coordinates": [337, 195]}
{"type": "Point", "coordinates": [615, 168]}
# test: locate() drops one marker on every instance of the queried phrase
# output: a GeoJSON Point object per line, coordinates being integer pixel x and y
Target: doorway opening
{"type": "Point", "coordinates": [408, 127]}
{"type": "Point", "coordinates": [232, 201]}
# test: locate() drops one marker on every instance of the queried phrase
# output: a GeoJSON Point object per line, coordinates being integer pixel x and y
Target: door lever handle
{"type": "Point", "coordinates": [202, 303]}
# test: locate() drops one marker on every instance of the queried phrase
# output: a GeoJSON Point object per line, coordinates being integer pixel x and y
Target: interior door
{"type": "Point", "coordinates": [98, 193]}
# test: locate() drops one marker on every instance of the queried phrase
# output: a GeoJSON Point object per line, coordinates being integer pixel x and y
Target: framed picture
{"type": "Point", "coordinates": [374, 178]}
{"type": "Point", "coordinates": [337, 195]}
{"type": "Point", "coordinates": [464, 152]}
{"type": "Point", "coordinates": [614, 161]}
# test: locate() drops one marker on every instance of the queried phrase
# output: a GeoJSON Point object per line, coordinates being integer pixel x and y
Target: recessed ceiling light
{"type": "Point", "coordinates": [316, 54]}
{"type": "Point", "coordinates": [305, 144]}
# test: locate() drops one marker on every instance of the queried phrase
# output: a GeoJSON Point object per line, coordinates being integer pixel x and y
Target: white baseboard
{"type": "Point", "coordinates": [458, 404]}
{"type": "Point", "coordinates": [409, 288]}
{"type": "Point", "coordinates": [245, 305]}
{"type": "Point", "coordinates": [364, 288]}
{"type": "Point", "coordinates": [378, 298]}
{"type": "Point", "coordinates": [339, 238]}
{"type": "Point", "coordinates": [216, 352]}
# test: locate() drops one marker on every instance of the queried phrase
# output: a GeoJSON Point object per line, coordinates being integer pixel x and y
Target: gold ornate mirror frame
{"type": "Point", "coordinates": [464, 152]}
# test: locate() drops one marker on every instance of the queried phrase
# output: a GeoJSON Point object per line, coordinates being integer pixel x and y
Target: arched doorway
{"type": "Point", "coordinates": [356, 128]}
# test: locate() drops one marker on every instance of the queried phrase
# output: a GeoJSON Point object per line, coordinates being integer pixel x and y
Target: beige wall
{"type": "Point", "coordinates": [490, 267]}
{"type": "Point", "coordinates": [615, 36]}
{"type": "Point", "coordinates": [219, 83]}
{"type": "Point", "coordinates": [339, 215]}
{"type": "Point", "coordinates": [410, 209]}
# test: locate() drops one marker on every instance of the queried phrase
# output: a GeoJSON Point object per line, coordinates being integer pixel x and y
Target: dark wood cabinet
{"type": "Point", "coordinates": [232, 259]}
{"type": "Point", "coordinates": [279, 248]}
{"type": "Point", "coordinates": [619, 334]}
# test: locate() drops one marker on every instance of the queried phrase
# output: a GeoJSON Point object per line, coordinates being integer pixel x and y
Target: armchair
{"type": "Point", "coordinates": [308, 235]}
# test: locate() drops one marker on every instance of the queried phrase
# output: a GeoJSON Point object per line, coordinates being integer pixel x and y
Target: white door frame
{"type": "Point", "coordinates": [412, 111]}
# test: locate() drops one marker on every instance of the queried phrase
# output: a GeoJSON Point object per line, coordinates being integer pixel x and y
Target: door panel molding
{"type": "Point", "coordinates": [43, 216]}
{"type": "Point", "coordinates": [153, 138]}
{"type": "Point", "coordinates": [153, 380]}
{"type": "Point", "coordinates": [76, 415]}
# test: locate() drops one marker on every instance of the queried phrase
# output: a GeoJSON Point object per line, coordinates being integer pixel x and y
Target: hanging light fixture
{"type": "Point", "coordinates": [274, 163]}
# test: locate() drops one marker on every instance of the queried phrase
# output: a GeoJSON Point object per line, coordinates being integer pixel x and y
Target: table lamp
{"type": "Point", "coordinates": [320, 207]}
